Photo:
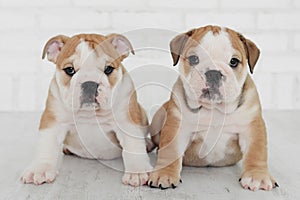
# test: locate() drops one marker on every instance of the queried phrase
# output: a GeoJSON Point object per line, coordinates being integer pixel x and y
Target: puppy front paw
{"type": "Point", "coordinates": [39, 173]}
{"type": "Point", "coordinates": [164, 179]}
{"type": "Point", "coordinates": [257, 179]}
{"type": "Point", "coordinates": [135, 179]}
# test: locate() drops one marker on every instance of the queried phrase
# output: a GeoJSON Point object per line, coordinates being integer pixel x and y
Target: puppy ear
{"type": "Point", "coordinates": [53, 47]}
{"type": "Point", "coordinates": [252, 52]}
{"type": "Point", "coordinates": [177, 44]}
{"type": "Point", "coordinates": [121, 44]}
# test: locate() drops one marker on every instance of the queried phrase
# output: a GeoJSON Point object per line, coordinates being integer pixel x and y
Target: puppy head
{"type": "Point", "coordinates": [214, 63]}
{"type": "Point", "coordinates": [88, 68]}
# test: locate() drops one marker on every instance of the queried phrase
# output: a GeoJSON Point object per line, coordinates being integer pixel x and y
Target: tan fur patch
{"type": "Point", "coordinates": [136, 113]}
{"type": "Point", "coordinates": [256, 157]}
{"type": "Point", "coordinates": [250, 92]}
{"type": "Point", "coordinates": [247, 47]}
{"type": "Point", "coordinates": [168, 135]}
{"type": "Point", "coordinates": [199, 33]}
{"type": "Point", "coordinates": [48, 118]}
{"type": "Point", "coordinates": [237, 44]}
{"type": "Point", "coordinates": [158, 121]}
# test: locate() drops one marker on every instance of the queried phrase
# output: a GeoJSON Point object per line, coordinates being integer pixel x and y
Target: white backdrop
{"type": "Point", "coordinates": [25, 26]}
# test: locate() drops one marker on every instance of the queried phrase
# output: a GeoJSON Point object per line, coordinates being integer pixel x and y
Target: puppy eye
{"type": "Point", "coordinates": [193, 60]}
{"type": "Point", "coordinates": [234, 62]}
{"type": "Point", "coordinates": [70, 71]}
{"type": "Point", "coordinates": [108, 70]}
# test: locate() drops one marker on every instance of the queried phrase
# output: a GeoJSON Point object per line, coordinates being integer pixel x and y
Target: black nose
{"type": "Point", "coordinates": [213, 77]}
{"type": "Point", "coordinates": [89, 92]}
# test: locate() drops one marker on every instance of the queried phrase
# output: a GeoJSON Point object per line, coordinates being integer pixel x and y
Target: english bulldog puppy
{"type": "Point", "coordinates": [213, 116]}
{"type": "Point", "coordinates": [92, 109]}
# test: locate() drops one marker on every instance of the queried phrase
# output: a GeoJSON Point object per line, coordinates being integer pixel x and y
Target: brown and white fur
{"type": "Point", "coordinates": [213, 117]}
{"type": "Point", "coordinates": [91, 114]}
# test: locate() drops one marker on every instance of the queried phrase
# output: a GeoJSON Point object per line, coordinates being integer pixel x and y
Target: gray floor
{"type": "Point", "coordinates": [89, 179]}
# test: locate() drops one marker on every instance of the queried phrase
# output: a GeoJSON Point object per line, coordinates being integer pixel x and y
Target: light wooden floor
{"type": "Point", "coordinates": [89, 179]}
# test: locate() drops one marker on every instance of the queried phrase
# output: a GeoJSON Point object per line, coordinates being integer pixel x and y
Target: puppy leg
{"type": "Point", "coordinates": [173, 143]}
{"type": "Point", "coordinates": [255, 174]}
{"type": "Point", "coordinates": [135, 157]}
{"type": "Point", "coordinates": [49, 147]}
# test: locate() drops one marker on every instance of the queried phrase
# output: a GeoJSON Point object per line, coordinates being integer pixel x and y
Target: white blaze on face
{"type": "Point", "coordinates": [87, 58]}
{"type": "Point", "coordinates": [89, 63]}
{"type": "Point", "coordinates": [218, 47]}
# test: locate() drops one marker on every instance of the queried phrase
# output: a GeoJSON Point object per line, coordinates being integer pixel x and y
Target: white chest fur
{"type": "Point", "coordinates": [217, 131]}
{"type": "Point", "coordinates": [215, 145]}
{"type": "Point", "coordinates": [92, 138]}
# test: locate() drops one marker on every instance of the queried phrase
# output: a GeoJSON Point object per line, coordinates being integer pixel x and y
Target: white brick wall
{"type": "Point", "coordinates": [297, 42]}
{"type": "Point", "coordinates": [239, 21]}
{"type": "Point", "coordinates": [256, 4]}
{"type": "Point", "coordinates": [129, 20]}
{"type": "Point", "coordinates": [73, 18]}
{"type": "Point", "coordinates": [287, 21]}
{"type": "Point", "coordinates": [6, 86]}
{"type": "Point", "coordinates": [187, 4]}
{"type": "Point", "coordinates": [25, 26]}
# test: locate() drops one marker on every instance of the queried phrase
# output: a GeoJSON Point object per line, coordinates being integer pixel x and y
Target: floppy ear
{"type": "Point", "coordinates": [252, 52]}
{"type": "Point", "coordinates": [53, 47]}
{"type": "Point", "coordinates": [121, 44]}
{"type": "Point", "coordinates": [177, 44]}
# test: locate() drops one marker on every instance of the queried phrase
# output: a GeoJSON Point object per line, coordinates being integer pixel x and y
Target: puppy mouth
{"type": "Point", "coordinates": [212, 94]}
{"type": "Point", "coordinates": [90, 106]}
{"type": "Point", "coordinates": [89, 103]}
